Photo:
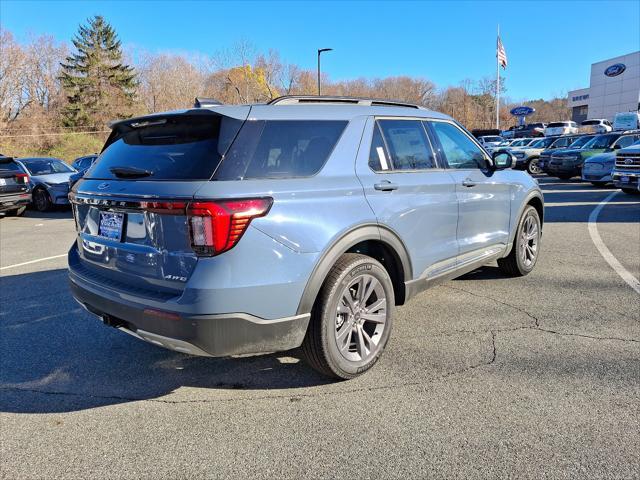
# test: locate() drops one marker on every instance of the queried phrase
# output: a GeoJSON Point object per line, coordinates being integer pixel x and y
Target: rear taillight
{"type": "Point", "coordinates": [22, 178]}
{"type": "Point", "coordinates": [217, 226]}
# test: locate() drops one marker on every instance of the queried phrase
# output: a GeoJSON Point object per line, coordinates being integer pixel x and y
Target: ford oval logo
{"type": "Point", "coordinates": [615, 70]}
{"type": "Point", "coordinates": [522, 111]}
{"type": "Point", "coordinates": [628, 161]}
{"type": "Point", "coordinates": [102, 186]}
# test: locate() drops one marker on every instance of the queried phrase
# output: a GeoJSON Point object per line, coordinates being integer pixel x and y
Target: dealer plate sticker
{"type": "Point", "coordinates": [111, 225]}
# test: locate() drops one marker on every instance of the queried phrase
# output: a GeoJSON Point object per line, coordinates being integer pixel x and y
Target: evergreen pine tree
{"type": "Point", "coordinates": [98, 85]}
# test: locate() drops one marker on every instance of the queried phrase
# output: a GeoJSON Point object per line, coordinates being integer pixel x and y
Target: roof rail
{"type": "Point", "coordinates": [369, 102]}
{"type": "Point", "coordinates": [202, 102]}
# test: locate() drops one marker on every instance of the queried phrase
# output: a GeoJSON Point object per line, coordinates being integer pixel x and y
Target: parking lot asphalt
{"type": "Point", "coordinates": [484, 376]}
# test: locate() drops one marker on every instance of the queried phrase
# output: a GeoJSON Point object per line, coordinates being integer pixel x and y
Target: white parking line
{"type": "Point", "coordinates": [604, 251]}
{"type": "Point", "coordinates": [33, 261]}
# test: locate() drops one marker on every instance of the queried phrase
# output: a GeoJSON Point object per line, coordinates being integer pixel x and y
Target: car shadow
{"type": "Point", "coordinates": [54, 213]}
{"type": "Point", "coordinates": [68, 360]}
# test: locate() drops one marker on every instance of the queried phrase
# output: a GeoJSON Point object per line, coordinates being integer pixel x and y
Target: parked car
{"type": "Point", "coordinates": [527, 157]}
{"type": "Point", "coordinates": [566, 164]}
{"type": "Point", "coordinates": [626, 171]}
{"type": "Point", "coordinates": [626, 121]}
{"type": "Point", "coordinates": [49, 181]}
{"type": "Point", "coordinates": [561, 128]}
{"type": "Point", "coordinates": [530, 130]}
{"type": "Point", "coordinates": [81, 164]}
{"type": "Point", "coordinates": [595, 125]}
{"type": "Point", "coordinates": [521, 143]}
{"type": "Point", "coordinates": [562, 142]}
{"type": "Point", "coordinates": [303, 222]}
{"type": "Point", "coordinates": [490, 141]}
{"type": "Point", "coordinates": [15, 193]}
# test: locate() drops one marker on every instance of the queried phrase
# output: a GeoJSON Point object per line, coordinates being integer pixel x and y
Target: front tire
{"type": "Point", "coordinates": [351, 319]}
{"type": "Point", "coordinates": [532, 166]}
{"type": "Point", "coordinates": [41, 200]}
{"type": "Point", "coordinates": [526, 245]}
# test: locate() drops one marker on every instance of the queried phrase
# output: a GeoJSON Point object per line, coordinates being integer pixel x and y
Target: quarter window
{"type": "Point", "coordinates": [378, 155]}
{"type": "Point", "coordinates": [457, 148]}
{"type": "Point", "coordinates": [408, 145]}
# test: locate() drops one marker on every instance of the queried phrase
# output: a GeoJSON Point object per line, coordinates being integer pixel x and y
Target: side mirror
{"type": "Point", "coordinates": [616, 147]}
{"type": "Point", "coordinates": [502, 159]}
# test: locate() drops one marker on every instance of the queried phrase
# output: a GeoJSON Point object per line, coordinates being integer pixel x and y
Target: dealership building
{"type": "Point", "coordinates": [614, 88]}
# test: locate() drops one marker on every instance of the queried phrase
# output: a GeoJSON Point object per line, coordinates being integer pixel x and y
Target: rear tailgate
{"type": "Point", "coordinates": [12, 178]}
{"type": "Point", "coordinates": [133, 233]}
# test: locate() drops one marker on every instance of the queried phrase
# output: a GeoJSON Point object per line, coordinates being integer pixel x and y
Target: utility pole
{"type": "Point", "coordinates": [320, 50]}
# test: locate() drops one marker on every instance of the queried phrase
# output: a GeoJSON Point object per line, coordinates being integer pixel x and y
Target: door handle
{"type": "Point", "coordinates": [467, 182]}
{"type": "Point", "coordinates": [385, 186]}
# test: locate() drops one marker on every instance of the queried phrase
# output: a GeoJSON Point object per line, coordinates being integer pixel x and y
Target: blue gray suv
{"type": "Point", "coordinates": [300, 223]}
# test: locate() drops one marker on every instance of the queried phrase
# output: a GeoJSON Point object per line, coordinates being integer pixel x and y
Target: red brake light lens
{"type": "Point", "coordinates": [218, 226]}
{"type": "Point", "coordinates": [23, 176]}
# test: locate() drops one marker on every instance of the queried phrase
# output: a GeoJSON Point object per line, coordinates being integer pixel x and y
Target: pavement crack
{"type": "Point", "coordinates": [535, 319]}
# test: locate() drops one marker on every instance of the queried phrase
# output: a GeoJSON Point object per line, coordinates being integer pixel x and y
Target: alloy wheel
{"type": "Point", "coordinates": [361, 318]}
{"type": "Point", "coordinates": [529, 241]}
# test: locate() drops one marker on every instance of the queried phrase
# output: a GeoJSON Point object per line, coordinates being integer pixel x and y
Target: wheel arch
{"type": "Point", "coordinates": [373, 240]}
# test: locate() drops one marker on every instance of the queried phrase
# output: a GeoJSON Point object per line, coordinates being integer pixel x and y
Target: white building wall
{"type": "Point", "coordinates": [610, 95]}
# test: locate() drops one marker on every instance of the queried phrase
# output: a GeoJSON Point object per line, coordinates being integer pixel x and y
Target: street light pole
{"type": "Point", "coordinates": [320, 50]}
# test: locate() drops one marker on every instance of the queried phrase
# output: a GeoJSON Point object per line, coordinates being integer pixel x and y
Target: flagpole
{"type": "Point", "coordinates": [497, 83]}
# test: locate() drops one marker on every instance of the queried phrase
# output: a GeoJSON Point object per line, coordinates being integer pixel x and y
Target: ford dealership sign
{"type": "Point", "coordinates": [615, 70]}
{"type": "Point", "coordinates": [522, 111]}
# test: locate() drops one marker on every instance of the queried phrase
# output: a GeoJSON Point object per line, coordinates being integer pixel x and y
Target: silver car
{"type": "Point", "coordinates": [49, 180]}
{"type": "Point", "coordinates": [300, 223]}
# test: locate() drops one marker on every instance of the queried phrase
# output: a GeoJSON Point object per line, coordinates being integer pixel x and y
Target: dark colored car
{"type": "Point", "coordinates": [563, 142]}
{"type": "Point", "coordinates": [567, 163]}
{"type": "Point", "coordinates": [81, 164]}
{"type": "Point", "coordinates": [530, 130]}
{"type": "Point", "coordinates": [15, 193]}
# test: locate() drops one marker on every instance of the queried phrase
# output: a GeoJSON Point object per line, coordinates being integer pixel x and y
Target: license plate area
{"type": "Point", "coordinates": [111, 225]}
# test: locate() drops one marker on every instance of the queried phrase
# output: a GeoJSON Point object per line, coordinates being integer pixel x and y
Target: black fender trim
{"type": "Point", "coordinates": [340, 246]}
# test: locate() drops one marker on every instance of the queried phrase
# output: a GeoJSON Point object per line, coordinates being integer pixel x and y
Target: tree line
{"type": "Point", "coordinates": [56, 97]}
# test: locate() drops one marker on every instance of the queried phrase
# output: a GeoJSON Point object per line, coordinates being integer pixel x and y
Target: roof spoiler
{"type": "Point", "coordinates": [203, 102]}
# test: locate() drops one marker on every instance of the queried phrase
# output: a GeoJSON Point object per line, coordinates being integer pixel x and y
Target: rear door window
{"type": "Point", "coordinates": [280, 149]}
{"type": "Point", "coordinates": [408, 145]}
{"type": "Point", "coordinates": [180, 147]}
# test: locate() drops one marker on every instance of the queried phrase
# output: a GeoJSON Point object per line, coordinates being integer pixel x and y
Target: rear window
{"type": "Point", "coordinates": [280, 149]}
{"type": "Point", "coordinates": [184, 147]}
{"type": "Point", "coordinates": [7, 165]}
{"type": "Point", "coordinates": [591, 122]}
{"type": "Point", "coordinates": [558, 124]}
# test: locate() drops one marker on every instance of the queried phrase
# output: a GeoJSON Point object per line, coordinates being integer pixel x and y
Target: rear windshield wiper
{"type": "Point", "coordinates": [130, 172]}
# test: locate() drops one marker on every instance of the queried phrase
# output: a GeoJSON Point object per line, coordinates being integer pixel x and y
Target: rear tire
{"type": "Point", "coordinates": [18, 212]}
{"type": "Point", "coordinates": [351, 319]}
{"type": "Point", "coordinates": [526, 245]}
{"type": "Point", "coordinates": [41, 200]}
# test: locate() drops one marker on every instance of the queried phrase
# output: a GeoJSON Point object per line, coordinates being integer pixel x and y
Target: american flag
{"type": "Point", "coordinates": [501, 54]}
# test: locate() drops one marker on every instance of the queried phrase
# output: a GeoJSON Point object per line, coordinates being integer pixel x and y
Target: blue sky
{"type": "Point", "coordinates": [550, 45]}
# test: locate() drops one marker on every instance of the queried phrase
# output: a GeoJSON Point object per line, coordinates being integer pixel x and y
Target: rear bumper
{"type": "Point", "coordinates": [10, 202]}
{"type": "Point", "coordinates": [210, 335]}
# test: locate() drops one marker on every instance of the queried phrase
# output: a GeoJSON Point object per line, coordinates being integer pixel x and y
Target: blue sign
{"type": "Point", "coordinates": [615, 70]}
{"type": "Point", "coordinates": [522, 111]}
